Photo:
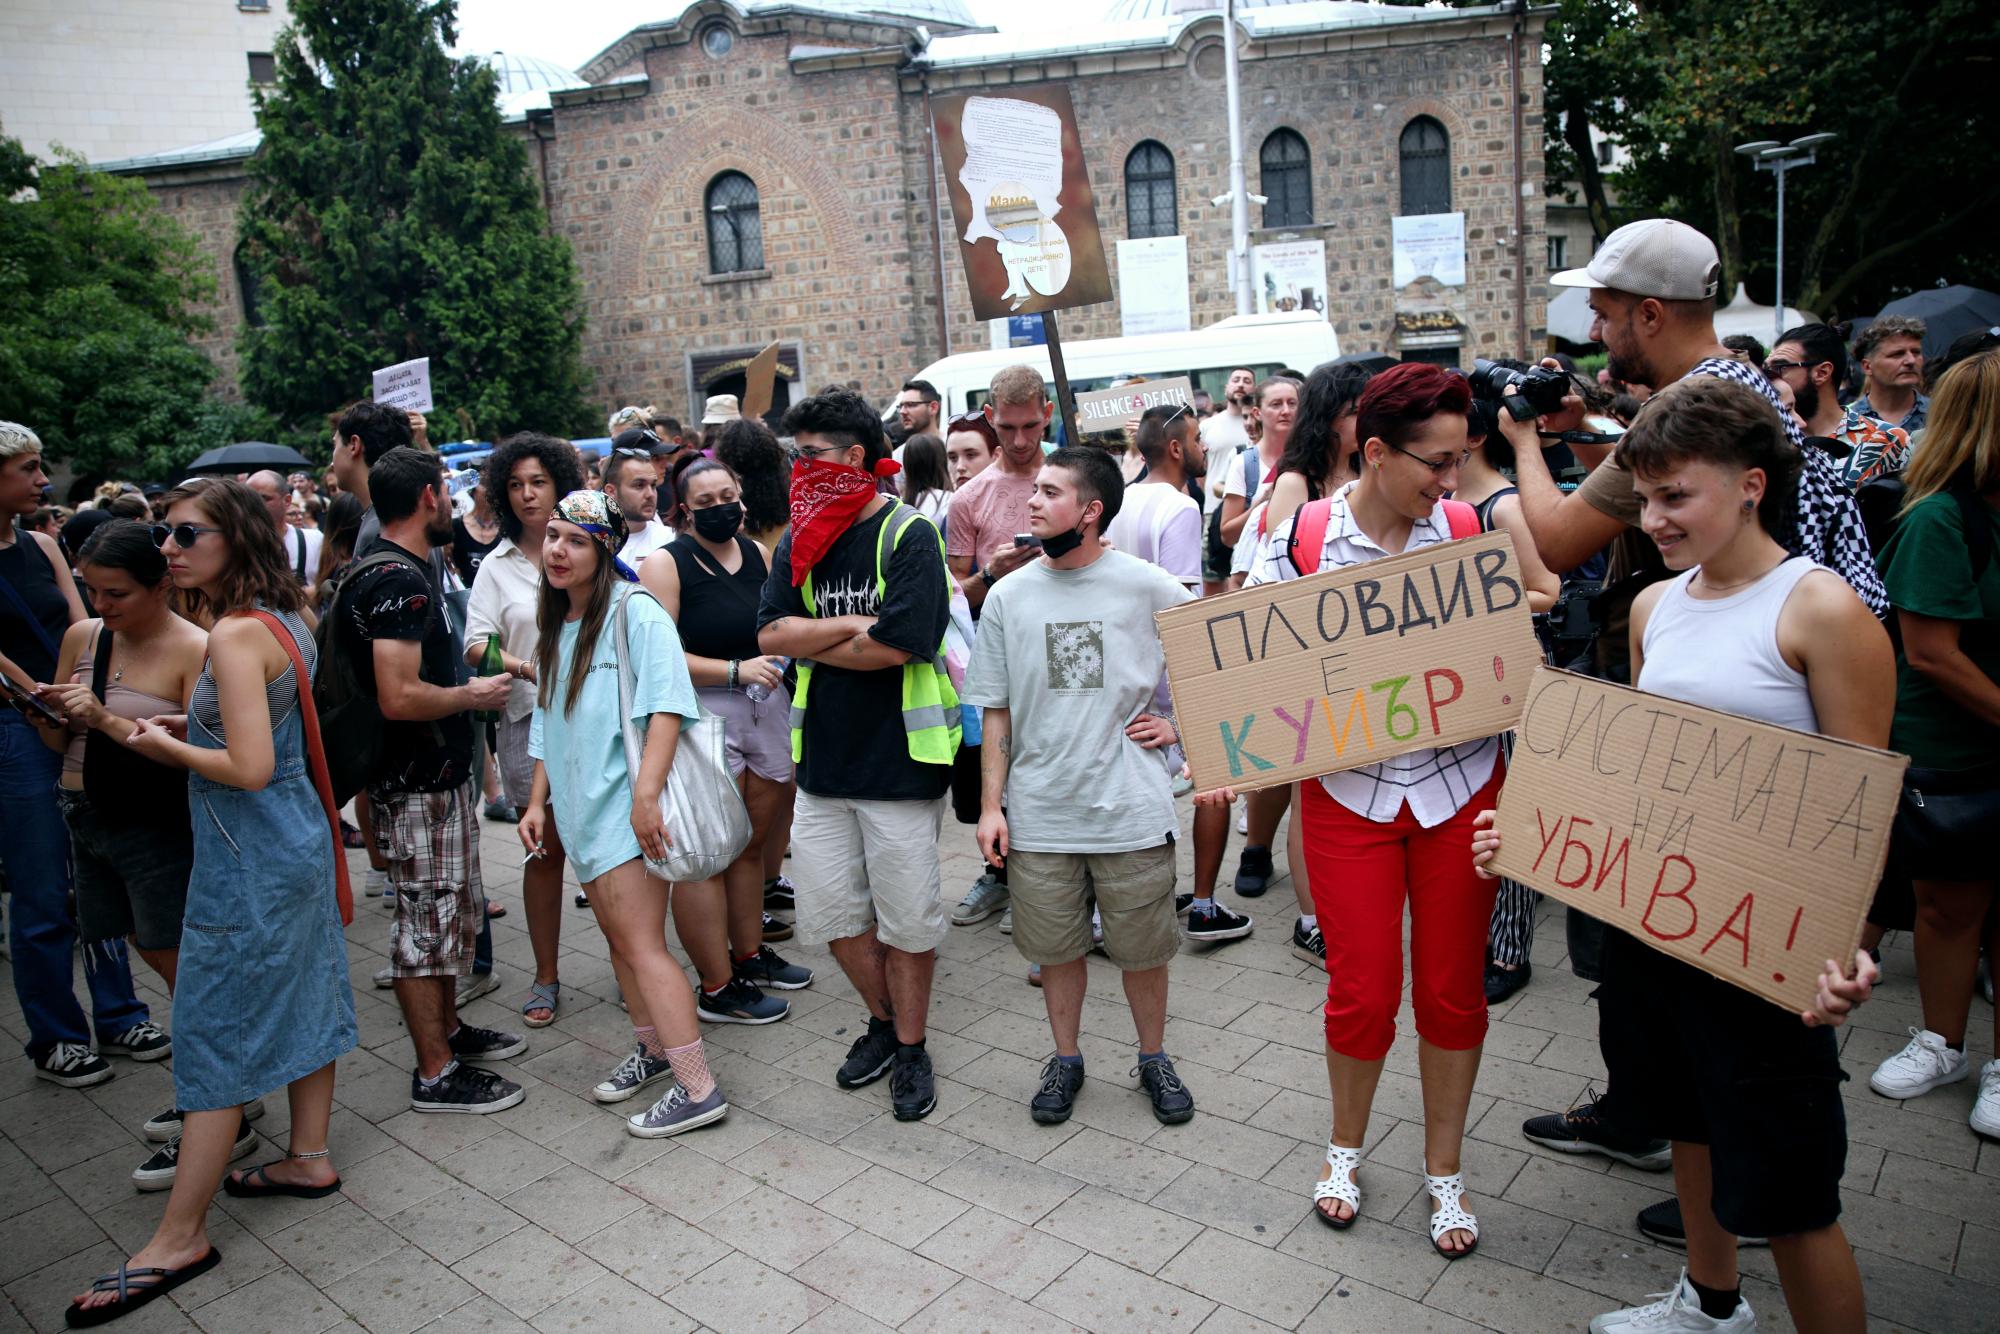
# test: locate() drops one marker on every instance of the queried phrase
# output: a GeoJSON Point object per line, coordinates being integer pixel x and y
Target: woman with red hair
{"type": "Point", "coordinates": [1393, 833]}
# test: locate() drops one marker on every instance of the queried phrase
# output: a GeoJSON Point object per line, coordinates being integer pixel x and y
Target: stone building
{"type": "Point", "coordinates": [751, 170]}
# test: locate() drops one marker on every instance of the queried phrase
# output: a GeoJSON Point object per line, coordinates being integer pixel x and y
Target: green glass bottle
{"type": "Point", "coordinates": [490, 665]}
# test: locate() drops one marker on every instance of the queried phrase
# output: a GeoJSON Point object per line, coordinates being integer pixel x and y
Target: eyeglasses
{"type": "Point", "coordinates": [818, 452]}
{"type": "Point", "coordinates": [1439, 467]}
{"type": "Point", "coordinates": [184, 534]}
{"type": "Point", "coordinates": [1777, 366]}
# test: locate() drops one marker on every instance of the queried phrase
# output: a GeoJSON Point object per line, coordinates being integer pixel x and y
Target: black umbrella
{"type": "Point", "coordinates": [1946, 312]}
{"type": "Point", "coordinates": [250, 456]}
{"type": "Point", "coordinates": [1372, 362]}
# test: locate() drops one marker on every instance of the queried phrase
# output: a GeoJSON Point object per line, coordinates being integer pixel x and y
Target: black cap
{"type": "Point", "coordinates": [155, 489]}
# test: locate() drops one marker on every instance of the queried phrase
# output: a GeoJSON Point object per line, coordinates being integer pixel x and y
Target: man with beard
{"type": "Point", "coordinates": [424, 802]}
{"type": "Point", "coordinates": [1159, 521]}
{"type": "Point", "coordinates": [1223, 435]}
{"type": "Point", "coordinates": [1813, 361]}
{"type": "Point", "coordinates": [632, 484]}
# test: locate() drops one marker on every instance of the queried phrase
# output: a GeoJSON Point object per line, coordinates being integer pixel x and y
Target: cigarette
{"type": "Point", "coordinates": [532, 855]}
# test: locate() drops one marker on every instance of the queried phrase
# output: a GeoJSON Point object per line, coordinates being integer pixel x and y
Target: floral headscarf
{"type": "Point", "coordinates": [592, 512]}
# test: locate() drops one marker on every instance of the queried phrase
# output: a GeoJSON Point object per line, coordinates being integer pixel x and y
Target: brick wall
{"type": "Point", "coordinates": [205, 204]}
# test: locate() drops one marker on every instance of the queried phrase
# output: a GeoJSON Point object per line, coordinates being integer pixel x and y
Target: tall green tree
{"type": "Point", "coordinates": [390, 216]}
{"type": "Point", "coordinates": [1901, 200]}
{"type": "Point", "coordinates": [100, 292]}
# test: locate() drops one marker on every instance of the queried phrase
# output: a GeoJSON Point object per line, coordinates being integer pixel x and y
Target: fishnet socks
{"type": "Point", "coordinates": [691, 1070]}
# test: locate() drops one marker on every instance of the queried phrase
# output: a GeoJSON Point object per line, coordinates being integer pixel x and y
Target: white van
{"type": "Point", "coordinates": [1263, 343]}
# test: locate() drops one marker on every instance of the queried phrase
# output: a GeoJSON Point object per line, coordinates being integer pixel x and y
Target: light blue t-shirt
{"type": "Point", "coordinates": [583, 751]}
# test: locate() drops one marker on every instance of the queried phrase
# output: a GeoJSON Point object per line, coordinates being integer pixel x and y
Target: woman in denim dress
{"type": "Point", "coordinates": [263, 997]}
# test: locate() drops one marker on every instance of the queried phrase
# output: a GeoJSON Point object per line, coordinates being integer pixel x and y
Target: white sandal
{"type": "Point", "coordinates": [1339, 1186]}
{"type": "Point", "coordinates": [1449, 1216]}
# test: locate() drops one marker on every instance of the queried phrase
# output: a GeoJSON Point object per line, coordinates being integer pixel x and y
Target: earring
{"type": "Point", "coordinates": [1749, 505]}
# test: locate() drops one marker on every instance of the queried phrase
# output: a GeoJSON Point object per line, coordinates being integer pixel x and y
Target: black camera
{"type": "Point", "coordinates": [1525, 394]}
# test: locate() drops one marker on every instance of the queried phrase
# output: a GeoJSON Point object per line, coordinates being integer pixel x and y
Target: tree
{"type": "Point", "coordinates": [1898, 201]}
{"type": "Point", "coordinates": [390, 216]}
{"type": "Point", "coordinates": [100, 292]}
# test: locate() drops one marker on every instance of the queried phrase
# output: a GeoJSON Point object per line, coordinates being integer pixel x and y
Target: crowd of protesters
{"type": "Point", "coordinates": [870, 626]}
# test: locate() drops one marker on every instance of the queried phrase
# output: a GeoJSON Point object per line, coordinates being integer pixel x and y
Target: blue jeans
{"type": "Point", "coordinates": [40, 934]}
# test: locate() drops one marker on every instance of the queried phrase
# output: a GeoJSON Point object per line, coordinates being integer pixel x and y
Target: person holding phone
{"type": "Point", "coordinates": [38, 603]}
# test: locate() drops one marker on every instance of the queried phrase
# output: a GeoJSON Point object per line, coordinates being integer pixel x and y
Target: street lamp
{"type": "Point", "coordinates": [1776, 158]}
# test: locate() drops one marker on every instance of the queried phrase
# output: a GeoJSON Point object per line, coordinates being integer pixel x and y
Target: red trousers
{"type": "Point", "coordinates": [1362, 872]}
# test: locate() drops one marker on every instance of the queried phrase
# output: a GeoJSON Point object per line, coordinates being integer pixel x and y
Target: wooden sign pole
{"type": "Point", "coordinates": [1065, 400]}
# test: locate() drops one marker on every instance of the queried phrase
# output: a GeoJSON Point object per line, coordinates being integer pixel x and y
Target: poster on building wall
{"type": "Point", "coordinates": [1027, 220]}
{"type": "Point", "coordinates": [1153, 286]}
{"type": "Point", "coordinates": [1428, 245]}
{"type": "Point", "coordinates": [1289, 275]}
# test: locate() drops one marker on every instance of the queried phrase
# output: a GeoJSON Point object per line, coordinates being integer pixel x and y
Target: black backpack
{"type": "Point", "coordinates": [351, 726]}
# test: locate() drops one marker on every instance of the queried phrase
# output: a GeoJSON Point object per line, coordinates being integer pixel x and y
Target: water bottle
{"type": "Point", "coordinates": [756, 693]}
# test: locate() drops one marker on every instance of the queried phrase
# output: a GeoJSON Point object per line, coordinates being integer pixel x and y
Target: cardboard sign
{"type": "Point", "coordinates": [1027, 219]}
{"type": "Point", "coordinates": [1748, 850]}
{"type": "Point", "coordinates": [1115, 409]}
{"type": "Point", "coordinates": [760, 381]}
{"type": "Point", "coordinates": [405, 385]}
{"type": "Point", "coordinates": [1351, 666]}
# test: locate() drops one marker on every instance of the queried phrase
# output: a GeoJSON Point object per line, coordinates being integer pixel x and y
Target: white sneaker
{"type": "Point", "coordinates": [1920, 1067]}
{"type": "Point", "coordinates": [1985, 1116]}
{"type": "Point", "coordinates": [1676, 1312]}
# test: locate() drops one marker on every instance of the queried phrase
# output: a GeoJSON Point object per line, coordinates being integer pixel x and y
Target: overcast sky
{"type": "Point", "coordinates": [571, 34]}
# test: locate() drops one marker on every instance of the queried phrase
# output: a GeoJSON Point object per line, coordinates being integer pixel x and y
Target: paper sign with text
{"type": "Point", "coordinates": [405, 385]}
{"type": "Point", "coordinates": [1115, 409]}
{"type": "Point", "coordinates": [1351, 666]}
{"type": "Point", "coordinates": [1748, 850]}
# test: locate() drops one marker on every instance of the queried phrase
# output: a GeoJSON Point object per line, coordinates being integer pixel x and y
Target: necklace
{"type": "Point", "coordinates": [1714, 587]}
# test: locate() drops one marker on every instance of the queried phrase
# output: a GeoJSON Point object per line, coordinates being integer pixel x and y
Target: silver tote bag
{"type": "Point", "coordinates": [703, 812]}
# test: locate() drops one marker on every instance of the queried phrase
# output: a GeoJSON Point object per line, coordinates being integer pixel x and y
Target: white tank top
{"type": "Point", "coordinates": [1722, 653]}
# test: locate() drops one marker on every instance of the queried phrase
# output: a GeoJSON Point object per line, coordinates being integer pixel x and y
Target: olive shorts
{"type": "Point", "coordinates": [1051, 894]}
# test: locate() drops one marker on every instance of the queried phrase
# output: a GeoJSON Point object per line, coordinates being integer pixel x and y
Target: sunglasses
{"type": "Point", "coordinates": [967, 418]}
{"type": "Point", "coordinates": [1777, 366]}
{"type": "Point", "coordinates": [184, 534]}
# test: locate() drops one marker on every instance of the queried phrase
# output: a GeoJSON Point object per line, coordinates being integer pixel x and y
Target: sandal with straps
{"type": "Point", "coordinates": [1339, 1186]}
{"type": "Point", "coordinates": [541, 996]}
{"type": "Point", "coordinates": [131, 1296]}
{"type": "Point", "coordinates": [1449, 1216]}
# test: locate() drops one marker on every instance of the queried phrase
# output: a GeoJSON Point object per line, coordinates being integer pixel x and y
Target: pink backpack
{"type": "Point", "coordinates": [1309, 529]}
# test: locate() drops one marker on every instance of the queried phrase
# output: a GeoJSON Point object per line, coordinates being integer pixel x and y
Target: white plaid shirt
{"type": "Point", "coordinates": [1829, 523]}
{"type": "Point", "coordinates": [1436, 782]}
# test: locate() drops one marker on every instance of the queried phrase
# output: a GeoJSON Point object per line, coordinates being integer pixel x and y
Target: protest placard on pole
{"type": "Point", "coordinates": [1351, 666]}
{"type": "Point", "coordinates": [1114, 409]}
{"type": "Point", "coordinates": [1747, 850]}
{"type": "Point", "coordinates": [405, 385]}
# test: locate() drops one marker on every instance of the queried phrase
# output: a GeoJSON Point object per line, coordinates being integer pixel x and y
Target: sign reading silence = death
{"type": "Point", "coordinates": [1747, 850]}
{"type": "Point", "coordinates": [1115, 409]}
{"type": "Point", "coordinates": [1351, 666]}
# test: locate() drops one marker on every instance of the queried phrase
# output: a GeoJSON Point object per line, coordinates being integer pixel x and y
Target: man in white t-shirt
{"type": "Point", "coordinates": [1159, 521]}
{"type": "Point", "coordinates": [1225, 431]}
{"type": "Point", "coordinates": [301, 545]}
{"type": "Point", "coordinates": [632, 486]}
{"type": "Point", "coordinates": [1222, 435]}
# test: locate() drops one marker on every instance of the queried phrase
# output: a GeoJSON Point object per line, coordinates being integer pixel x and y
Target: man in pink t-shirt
{"type": "Point", "coordinates": [993, 506]}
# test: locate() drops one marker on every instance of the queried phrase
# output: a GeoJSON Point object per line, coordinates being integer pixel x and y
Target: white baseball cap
{"type": "Point", "coordinates": [1657, 257]}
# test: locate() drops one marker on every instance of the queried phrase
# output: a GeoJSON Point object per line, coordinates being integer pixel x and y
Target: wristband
{"type": "Point", "coordinates": [986, 577]}
{"type": "Point", "coordinates": [734, 663]}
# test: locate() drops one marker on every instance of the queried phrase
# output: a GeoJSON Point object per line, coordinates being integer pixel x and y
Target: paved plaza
{"type": "Point", "coordinates": [812, 1209]}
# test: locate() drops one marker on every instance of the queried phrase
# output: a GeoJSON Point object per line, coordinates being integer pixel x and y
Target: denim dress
{"type": "Point", "coordinates": [262, 996]}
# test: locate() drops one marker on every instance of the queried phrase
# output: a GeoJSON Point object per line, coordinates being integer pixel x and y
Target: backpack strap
{"type": "Point", "coordinates": [1461, 519]}
{"type": "Point", "coordinates": [100, 662]}
{"type": "Point", "coordinates": [1308, 537]}
{"type": "Point", "coordinates": [343, 892]}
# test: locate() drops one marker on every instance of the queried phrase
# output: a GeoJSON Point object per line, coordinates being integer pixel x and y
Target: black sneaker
{"type": "Point", "coordinates": [485, 1044]}
{"type": "Point", "coordinates": [779, 895]}
{"type": "Point", "coordinates": [1182, 902]}
{"type": "Point", "coordinates": [1056, 1098]}
{"type": "Point", "coordinates": [465, 1089]}
{"type": "Point", "coordinates": [1172, 1103]}
{"type": "Point", "coordinates": [1254, 871]}
{"type": "Point", "coordinates": [1504, 982]}
{"type": "Point", "coordinates": [143, 1041]}
{"type": "Point", "coordinates": [582, 899]}
{"type": "Point", "coordinates": [912, 1090]}
{"type": "Point", "coordinates": [1308, 945]}
{"type": "Point", "coordinates": [1662, 1223]}
{"type": "Point", "coordinates": [739, 1002]}
{"type": "Point", "coordinates": [1585, 1128]}
{"type": "Point", "coordinates": [1217, 924]}
{"type": "Point", "coordinates": [776, 928]}
{"type": "Point", "coordinates": [158, 1171]}
{"type": "Point", "coordinates": [768, 970]}
{"type": "Point", "coordinates": [868, 1059]}
{"type": "Point", "coordinates": [166, 1125]}
{"type": "Point", "coordinates": [72, 1065]}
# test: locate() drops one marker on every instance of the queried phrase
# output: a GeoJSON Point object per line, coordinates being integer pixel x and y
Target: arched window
{"type": "Point", "coordinates": [735, 231]}
{"type": "Point", "coordinates": [1426, 167]}
{"type": "Point", "coordinates": [1149, 191]}
{"type": "Point", "coordinates": [1286, 169]}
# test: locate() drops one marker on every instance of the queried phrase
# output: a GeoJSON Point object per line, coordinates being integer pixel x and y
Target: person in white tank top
{"type": "Point", "coordinates": [1748, 1095]}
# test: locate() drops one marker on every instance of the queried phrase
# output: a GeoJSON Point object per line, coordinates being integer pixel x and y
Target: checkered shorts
{"type": "Point", "coordinates": [432, 842]}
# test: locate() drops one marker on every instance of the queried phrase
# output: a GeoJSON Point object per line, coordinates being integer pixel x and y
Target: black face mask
{"type": "Point", "coordinates": [718, 523]}
{"type": "Point", "coordinates": [1061, 544]}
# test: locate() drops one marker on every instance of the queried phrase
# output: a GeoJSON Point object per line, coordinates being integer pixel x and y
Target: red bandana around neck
{"type": "Point", "coordinates": [826, 498]}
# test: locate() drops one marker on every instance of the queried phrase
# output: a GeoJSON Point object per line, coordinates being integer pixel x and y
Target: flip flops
{"type": "Point", "coordinates": [130, 1297]}
{"type": "Point", "coordinates": [256, 1184]}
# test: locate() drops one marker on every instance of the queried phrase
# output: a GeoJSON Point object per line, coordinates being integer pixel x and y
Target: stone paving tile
{"type": "Point", "coordinates": [1354, 1307]}
{"type": "Point", "coordinates": [1018, 1260]}
{"type": "Point", "coordinates": [1097, 1294]}
{"type": "Point", "coordinates": [454, 1223]}
{"type": "Point", "coordinates": [527, 1271]}
{"type": "Point", "coordinates": [893, 1207]}
{"type": "Point", "coordinates": [1021, 1191]}
{"type": "Point", "coordinates": [970, 1307]}
{"type": "Point", "coordinates": [334, 1242]}
{"type": "Point", "coordinates": [800, 1166]}
{"type": "Point", "coordinates": [653, 1249]}
{"type": "Point", "coordinates": [43, 1235]}
{"type": "Point", "coordinates": [1135, 1235]}
{"type": "Point", "coordinates": [611, 1306]}
{"type": "Point", "coordinates": [868, 1273]}
{"type": "Point", "coordinates": [572, 1203]}
{"type": "Point", "coordinates": [776, 1228]}
{"type": "Point", "coordinates": [1137, 1171]}
{"type": "Point", "coordinates": [282, 1299]}
{"type": "Point", "coordinates": [737, 1293]}
{"type": "Point", "coordinates": [402, 1291]}
{"type": "Point", "coordinates": [1254, 1279]}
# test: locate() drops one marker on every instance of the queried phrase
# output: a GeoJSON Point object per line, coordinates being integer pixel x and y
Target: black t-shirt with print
{"type": "Point", "coordinates": [854, 745]}
{"type": "Point", "coordinates": [400, 600]}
